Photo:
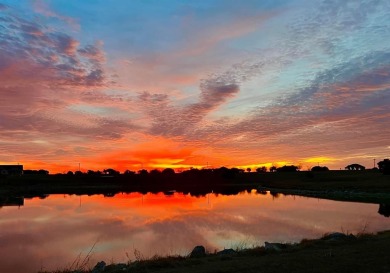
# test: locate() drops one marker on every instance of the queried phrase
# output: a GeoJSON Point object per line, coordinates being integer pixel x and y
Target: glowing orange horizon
{"type": "Point", "coordinates": [98, 166]}
{"type": "Point", "coordinates": [161, 153]}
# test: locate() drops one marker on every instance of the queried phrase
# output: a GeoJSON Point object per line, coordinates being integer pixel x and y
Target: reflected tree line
{"type": "Point", "coordinates": [384, 209]}
{"type": "Point", "coordinates": [197, 182]}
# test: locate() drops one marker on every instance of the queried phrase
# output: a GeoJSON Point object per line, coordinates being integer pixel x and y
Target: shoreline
{"type": "Point", "coordinates": [336, 252]}
{"type": "Point", "coordinates": [335, 195]}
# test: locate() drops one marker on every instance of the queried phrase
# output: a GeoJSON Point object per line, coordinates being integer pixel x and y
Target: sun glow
{"type": "Point", "coordinates": [320, 160]}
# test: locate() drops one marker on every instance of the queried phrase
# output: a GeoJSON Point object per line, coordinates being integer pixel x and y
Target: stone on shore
{"type": "Point", "coordinates": [99, 267]}
{"type": "Point", "coordinates": [335, 236]}
{"type": "Point", "coordinates": [198, 251]}
{"type": "Point", "coordinates": [228, 251]}
{"type": "Point", "coordinates": [275, 246]}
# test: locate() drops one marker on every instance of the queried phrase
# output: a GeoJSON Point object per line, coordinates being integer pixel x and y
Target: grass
{"type": "Point", "coordinates": [361, 253]}
{"type": "Point", "coordinates": [359, 186]}
{"type": "Point", "coordinates": [80, 264]}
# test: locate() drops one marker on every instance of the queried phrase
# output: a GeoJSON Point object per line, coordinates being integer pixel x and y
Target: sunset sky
{"type": "Point", "coordinates": [165, 83]}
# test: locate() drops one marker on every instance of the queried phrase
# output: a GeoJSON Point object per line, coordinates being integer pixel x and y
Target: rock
{"type": "Point", "coordinates": [116, 267]}
{"type": "Point", "coordinates": [99, 267]}
{"type": "Point", "coordinates": [335, 236]}
{"type": "Point", "coordinates": [275, 246]}
{"type": "Point", "coordinates": [228, 251]}
{"type": "Point", "coordinates": [198, 251]}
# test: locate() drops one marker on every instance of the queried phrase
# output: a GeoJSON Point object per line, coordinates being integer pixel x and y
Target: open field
{"type": "Point", "coordinates": [365, 253]}
{"type": "Point", "coordinates": [367, 181]}
{"type": "Point", "coordinates": [365, 186]}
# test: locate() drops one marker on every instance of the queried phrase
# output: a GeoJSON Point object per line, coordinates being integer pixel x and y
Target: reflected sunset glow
{"type": "Point", "coordinates": [51, 232]}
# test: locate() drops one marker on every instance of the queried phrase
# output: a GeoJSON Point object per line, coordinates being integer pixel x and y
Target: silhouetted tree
{"type": "Point", "coordinates": [274, 195]}
{"type": "Point", "coordinates": [143, 172]}
{"type": "Point", "coordinates": [69, 173]}
{"type": "Point", "coordinates": [355, 167]}
{"type": "Point", "coordinates": [319, 169]}
{"type": "Point", "coordinates": [237, 170]}
{"type": "Point", "coordinates": [248, 170]}
{"type": "Point", "coordinates": [384, 166]}
{"type": "Point", "coordinates": [93, 173]}
{"type": "Point", "coordinates": [261, 169]}
{"type": "Point", "coordinates": [78, 173]}
{"type": "Point", "coordinates": [155, 172]}
{"type": "Point", "coordinates": [227, 173]}
{"type": "Point", "coordinates": [384, 209]}
{"type": "Point", "coordinates": [30, 172]}
{"type": "Point", "coordinates": [110, 172]}
{"type": "Point", "coordinates": [291, 168]}
{"type": "Point", "coordinates": [44, 172]}
{"type": "Point", "coordinates": [168, 171]}
{"type": "Point", "coordinates": [273, 169]}
{"type": "Point", "coordinates": [41, 171]}
{"type": "Point", "coordinates": [128, 172]}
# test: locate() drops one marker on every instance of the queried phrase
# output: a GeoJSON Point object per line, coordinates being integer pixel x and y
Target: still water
{"type": "Point", "coordinates": [50, 233]}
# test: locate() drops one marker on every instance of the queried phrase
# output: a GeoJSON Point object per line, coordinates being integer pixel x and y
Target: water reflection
{"type": "Point", "coordinates": [384, 209]}
{"type": "Point", "coordinates": [51, 232]}
{"type": "Point", "coordinates": [11, 201]}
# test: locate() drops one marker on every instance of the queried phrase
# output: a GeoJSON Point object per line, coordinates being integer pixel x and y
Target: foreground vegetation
{"type": "Point", "coordinates": [361, 253]}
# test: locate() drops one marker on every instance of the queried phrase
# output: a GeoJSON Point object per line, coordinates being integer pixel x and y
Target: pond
{"type": "Point", "coordinates": [57, 231]}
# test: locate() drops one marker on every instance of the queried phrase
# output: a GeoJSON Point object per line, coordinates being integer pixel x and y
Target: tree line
{"type": "Point", "coordinates": [383, 166]}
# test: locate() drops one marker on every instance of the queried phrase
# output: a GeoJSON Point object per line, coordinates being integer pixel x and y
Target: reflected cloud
{"type": "Point", "coordinates": [60, 227]}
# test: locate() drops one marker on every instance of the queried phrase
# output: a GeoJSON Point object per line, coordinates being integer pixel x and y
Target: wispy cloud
{"type": "Point", "coordinates": [43, 8]}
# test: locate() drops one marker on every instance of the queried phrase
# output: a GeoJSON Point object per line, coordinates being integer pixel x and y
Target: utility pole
{"type": "Point", "coordinates": [374, 162]}
{"type": "Point", "coordinates": [79, 166]}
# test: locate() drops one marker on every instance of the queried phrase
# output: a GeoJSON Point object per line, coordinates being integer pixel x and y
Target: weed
{"type": "Point", "coordinates": [363, 230]}
{"type": "Point", "coordinates": [79, 264]}
{"type": "Point", "coordinates": [128, 257]}
{"type": "Point", "coordinates": [244, 244]}
{"type": "Point", "coordinates": [138, 255]}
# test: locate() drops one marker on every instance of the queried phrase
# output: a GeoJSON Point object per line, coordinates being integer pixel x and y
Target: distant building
{"type": "Point", "coordinates": [11, 169]}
